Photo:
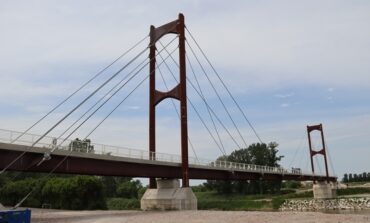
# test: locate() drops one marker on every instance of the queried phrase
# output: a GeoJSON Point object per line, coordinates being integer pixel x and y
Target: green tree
{"type": "Point", "coordinates": [79, 192]}
{"type": "Point", "coordinates": [355, 177]}
{"type": "Point", "coordinates": [129, 189]}
{"type": "Point", "coordinates": [345, 178]}
{"type": "Point", "coordinates": [258, 154]}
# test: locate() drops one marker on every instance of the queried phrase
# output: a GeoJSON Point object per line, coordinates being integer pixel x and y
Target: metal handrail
{"type": "Point", "coordinates": [8, 136]}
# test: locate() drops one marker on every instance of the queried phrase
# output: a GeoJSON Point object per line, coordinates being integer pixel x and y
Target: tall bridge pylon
{"type": "Point", "coordinates": [322, 151]}
{"type": "Point", "coordinates": [178, 92]}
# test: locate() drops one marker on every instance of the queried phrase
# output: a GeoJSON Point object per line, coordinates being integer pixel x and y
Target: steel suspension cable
{"type": "Point", "coordinates": [177, 112]}
{"type": "Point", "coordinates": [47, 154]}
{"type": "Point", "coordinates": [198, 114]}
{"type": "Point", "coordinates": [298, 149]}
{"type": "Point", "coordinates": [123, 100]}
{"type": "Point", "coordinates": [105, 95]}
{"type": "Point", "coordinates": [210, 115]}
{"type": "Point", "coordinates": [132, 71]}
{"type": "Point", "coordinates": [209, 112]}
{"type": "Point", "coordinates": [215, 115]}
{"type": "Point", "coordinates": [74, 109]}
{"type": "Point", "coordinates": [330, 160]}
{"type": "Point", "coordinates": [218, 96]}
{"type": "Point", "coordinates": [208, 106]}
{"type": "Point", "coordinates": [229, 92]}
{"type": "Point", "coordinates": [97, 109]}
{"type": "Point", "coordinates": [70, 152]}
{"type": "Point", "coordinates": [80, 88]}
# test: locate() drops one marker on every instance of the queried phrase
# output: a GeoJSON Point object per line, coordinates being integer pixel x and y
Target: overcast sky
{"type": "Point", "coordinates": [288, 63]}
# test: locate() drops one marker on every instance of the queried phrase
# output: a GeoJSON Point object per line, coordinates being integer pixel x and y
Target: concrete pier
{"type": "Point", "coordinates": [324, 190]}
{"type": "Point", "coordinates": [169, 196]}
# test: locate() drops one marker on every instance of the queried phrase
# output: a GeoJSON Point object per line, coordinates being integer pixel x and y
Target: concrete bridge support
{"type": "Point", "coordinates": [324, 190]}
{"type": "Point", "coordinates": [169, 196]}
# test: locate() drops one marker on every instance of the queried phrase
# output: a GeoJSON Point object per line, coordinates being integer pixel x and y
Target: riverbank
{"type": "Point", "coordinates": [58, 216]}
{"type": "Point", "coordinates": [361, 203]}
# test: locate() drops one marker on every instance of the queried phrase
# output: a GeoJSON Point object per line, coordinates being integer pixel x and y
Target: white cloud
{"type": "Point", "coordinates": [284, 105]}
{"type": "Point", "coordinates": [331, 89]}
{"type": "Point", "coordinates": [284, 95]}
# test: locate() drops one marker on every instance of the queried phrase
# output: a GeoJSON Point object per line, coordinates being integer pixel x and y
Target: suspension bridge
{"type": "Point", "coordinates": [27, 152]}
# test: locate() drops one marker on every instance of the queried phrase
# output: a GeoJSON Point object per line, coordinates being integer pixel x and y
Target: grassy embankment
{"type": "Point", "coordinates": [210, 200]}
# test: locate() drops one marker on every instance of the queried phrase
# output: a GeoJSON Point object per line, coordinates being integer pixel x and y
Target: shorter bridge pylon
{"type": "Point", "coordinates": [321, 189]}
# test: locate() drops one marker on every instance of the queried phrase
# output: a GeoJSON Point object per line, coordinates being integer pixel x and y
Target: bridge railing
{"type": "Point", "coordinates": [9, 136]}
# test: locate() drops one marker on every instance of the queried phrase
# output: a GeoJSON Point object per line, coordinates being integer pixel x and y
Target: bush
{"type": "Point", "coordinates": [79, 192]}
{"type": "Point", "coordinates": [287, 191]}
{"type": "Point", "coordinates": [141, 192]}
{"type": "Point", "coordinates": [354, 190]}
{"type": "Point", "coordinates": [76, 193]}
{"type": "Point", "coordinates": [291, 184]}
{"type": "Point", "coordinates": [14, 191]}
{"type": "Point", "coordinates": [128, 189]}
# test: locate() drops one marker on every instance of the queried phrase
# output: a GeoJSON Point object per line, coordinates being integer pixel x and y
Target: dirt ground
{"type": "Point", "coordinates": [57, 216]}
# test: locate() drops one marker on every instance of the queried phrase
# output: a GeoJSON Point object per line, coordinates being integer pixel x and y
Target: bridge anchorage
{"type": "Point", "coordinates": [25, 152]}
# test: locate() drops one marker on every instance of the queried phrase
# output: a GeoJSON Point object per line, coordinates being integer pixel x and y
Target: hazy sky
{"type": "Point", "coordinates": [288, 63]}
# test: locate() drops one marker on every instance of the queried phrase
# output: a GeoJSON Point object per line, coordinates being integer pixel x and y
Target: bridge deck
{"type": "Point", "coordinates": [108, 165]}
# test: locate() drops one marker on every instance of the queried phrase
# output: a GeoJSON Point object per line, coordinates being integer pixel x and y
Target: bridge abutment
{"type": "Point", "coordinates": [169, 196]}
{"type": "Point", "coordinates": [324, 190]}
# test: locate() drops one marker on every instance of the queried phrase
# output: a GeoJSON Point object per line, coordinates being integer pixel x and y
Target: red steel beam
{"type": "Point", "coordinates": [101, 167]}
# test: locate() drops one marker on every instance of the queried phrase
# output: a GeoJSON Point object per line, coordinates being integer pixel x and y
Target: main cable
{"type": "Point", "coordinates": [219, 77]}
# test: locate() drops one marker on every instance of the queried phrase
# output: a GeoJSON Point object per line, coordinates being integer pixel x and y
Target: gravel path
{"type": "Point", "coordinates": [57, 216]}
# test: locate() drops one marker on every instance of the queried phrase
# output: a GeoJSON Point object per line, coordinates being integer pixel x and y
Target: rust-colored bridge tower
{"type": "Point", "coordinates": [178, 92]}
{"type": "Point", "coordinates": [319, 152]}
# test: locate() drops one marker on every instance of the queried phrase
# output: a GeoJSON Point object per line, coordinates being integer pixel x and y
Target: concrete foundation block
{"type": "Point", "coordinates": [324, 190]}
{"type": "Point", "coordinates": [169, 196]}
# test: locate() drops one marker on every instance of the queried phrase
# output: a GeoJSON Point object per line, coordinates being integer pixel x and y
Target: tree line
{"type": "Point", "coordinates": [66, 191]}
{"type": "Point", "coordinates": [258, 154]}
{"type": "Point", "coordinates": [354, 177]}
